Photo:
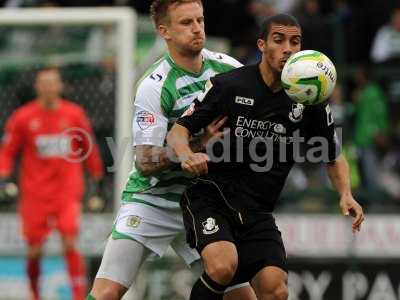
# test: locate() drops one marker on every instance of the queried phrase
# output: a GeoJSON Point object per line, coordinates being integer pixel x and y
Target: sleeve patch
{"type": "Point", "coordinates": [145, 119]}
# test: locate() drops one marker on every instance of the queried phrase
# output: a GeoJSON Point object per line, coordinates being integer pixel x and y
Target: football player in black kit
{"type": "Point", "coordinates": [228, 208]}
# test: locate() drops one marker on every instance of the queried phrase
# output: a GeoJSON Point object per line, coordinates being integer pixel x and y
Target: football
{"type": "Point", "coordinates": [309, 77]}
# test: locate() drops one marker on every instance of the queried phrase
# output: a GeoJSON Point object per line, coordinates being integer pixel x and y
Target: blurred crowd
{"type": "Point", "coordinates": [371, 28]}
{"type": "Point", "coordinates": [361, 37]}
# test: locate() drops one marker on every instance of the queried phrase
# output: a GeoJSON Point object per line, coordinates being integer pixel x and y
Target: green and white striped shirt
{"type": "Point", "coordinates": [162, 96]}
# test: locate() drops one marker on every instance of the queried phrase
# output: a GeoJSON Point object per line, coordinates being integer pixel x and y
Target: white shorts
{"type": "Point", "coordinates": [155, 228]}
{"type": "Point", "coordinates": [139, 225]}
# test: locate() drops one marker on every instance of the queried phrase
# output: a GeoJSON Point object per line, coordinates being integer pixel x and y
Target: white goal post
{"type": "Point", "coordinates": [125, 20]}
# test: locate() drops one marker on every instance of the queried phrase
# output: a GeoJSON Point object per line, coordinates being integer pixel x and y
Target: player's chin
{"type": "Point", "coordinates": [196, 49]}
{"type": "Point", "coordinates": [198, 44]}
{"type": "Point", "coordinates": [279, 68]}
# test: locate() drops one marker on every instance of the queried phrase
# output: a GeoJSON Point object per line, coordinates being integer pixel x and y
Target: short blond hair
{"type": "Point", "coordinates": [159, 9]}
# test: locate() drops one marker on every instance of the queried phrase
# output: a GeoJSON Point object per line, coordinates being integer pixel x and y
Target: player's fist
{"type": "Point", "coordinates": [196, 164]}
{"type": "Point", "coordinates": [8, 190]}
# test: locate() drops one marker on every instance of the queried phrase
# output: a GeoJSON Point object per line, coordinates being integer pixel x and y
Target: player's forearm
{"type": "Point", "coordinates": [338, 173]}
{"type": "Point", "coordinates": [178, 140]}
{"type": "Point", "coordinates": [94, 164]}
{"type": "Point", "coordinates": [151, 160]}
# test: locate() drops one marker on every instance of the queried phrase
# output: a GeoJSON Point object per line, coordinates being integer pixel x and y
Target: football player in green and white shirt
{"type": "Point", "coordinates": [150, 218]}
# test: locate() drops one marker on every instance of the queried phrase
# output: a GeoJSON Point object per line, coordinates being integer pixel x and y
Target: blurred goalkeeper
{"type": "Point", "coordinates": [54, 138]}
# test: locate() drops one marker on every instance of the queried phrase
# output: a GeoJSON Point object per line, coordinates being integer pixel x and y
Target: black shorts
{"type": "Point", "coordinates": [208, 218]}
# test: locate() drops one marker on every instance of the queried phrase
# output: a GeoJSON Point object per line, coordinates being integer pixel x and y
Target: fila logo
{"type": "Point", "coordinates": [244, 101]}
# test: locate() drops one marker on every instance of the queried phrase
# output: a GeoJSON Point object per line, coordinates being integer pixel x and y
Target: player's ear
{"type": "Point", "coordinates": [163, 31]}
{"type": "Point", "coordinates": [261, 44]}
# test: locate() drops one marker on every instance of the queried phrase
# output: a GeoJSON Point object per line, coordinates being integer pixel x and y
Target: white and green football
{"type": "Point", "coordinates": [309, 77]}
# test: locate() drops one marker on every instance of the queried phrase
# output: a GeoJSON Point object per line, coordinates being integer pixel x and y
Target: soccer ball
{"type": "Point", "coordinates": [308, 77]}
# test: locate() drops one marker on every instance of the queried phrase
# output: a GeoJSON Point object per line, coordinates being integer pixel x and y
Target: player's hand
{"type": "Point", "coordinates": [349, 206]}
{"type": "Point", "coordinates": [213, 130]}
{"type": "Point", "coordinates": [196, 164]}
{"type": "Point", "coordinates": [8, 190]}
{"type": "Point", "coordinates": [95, 201]}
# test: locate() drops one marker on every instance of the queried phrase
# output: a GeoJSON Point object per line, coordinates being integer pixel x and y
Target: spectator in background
{"type": "Point", "coordinates": [370, 126]}
{"type": "Point", "coordinates": [350, 23]}
{"type": "Point", "coordinates": [265, 8]}
{"type": "Point", "coordinates": [342, 111]}
{"type": "Point", "coordinates": [53, 137]}
{"type": "Point", "coordinates": [316, 34]}
{"type": "Point", "coordinates": [246, 51]}
{"type": "Point", "coordinates": [261, 9]}
{"type": "Point", "coordinates": [338, 106]}
{"type": "Point", "coordinates": [386, 45]}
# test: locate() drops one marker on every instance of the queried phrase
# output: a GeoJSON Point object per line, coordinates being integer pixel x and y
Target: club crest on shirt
{"type": "Point", "coordinates": [63, 124]}
{"type": "Point", "coordinates": [133, 221]}
{"type": "Point", "coordinates": [210, 226]}
{"type": "Point", "coordinates": [145, 119]}
{"type": "Point", "coordinates": [296, 115]}
{"type": "Point", "coordinates": [34, 125]}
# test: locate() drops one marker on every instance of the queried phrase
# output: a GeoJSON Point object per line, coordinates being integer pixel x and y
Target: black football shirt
{"type": "Point", "coordinates": [266, 131]}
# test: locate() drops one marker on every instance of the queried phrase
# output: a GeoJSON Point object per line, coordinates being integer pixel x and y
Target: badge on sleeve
{"type": "Point", "coordinates": [145, 119]}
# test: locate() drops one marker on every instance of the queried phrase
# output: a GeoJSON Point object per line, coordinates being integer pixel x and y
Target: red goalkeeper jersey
{"type": "Point", "coordinates": [54, 145]}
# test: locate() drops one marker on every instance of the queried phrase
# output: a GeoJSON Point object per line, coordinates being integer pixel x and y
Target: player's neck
{"type": "Point", "coordinates": [190, 63]}
{"type": "Point", "coordinates": [48, 103]}
{"type": "Point", "coordinates": [270, 77]}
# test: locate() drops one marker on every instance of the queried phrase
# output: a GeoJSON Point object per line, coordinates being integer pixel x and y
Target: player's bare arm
{"type": "Point", "coordinates": [152, 159]}
{"type": "Point", "coordinates": [178, 140]}
{"type": "Point", "coordinates": [338, 172]}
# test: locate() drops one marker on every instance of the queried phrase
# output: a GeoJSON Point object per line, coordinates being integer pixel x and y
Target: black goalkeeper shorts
{"type": "Point", "coordinates": [208, 218]}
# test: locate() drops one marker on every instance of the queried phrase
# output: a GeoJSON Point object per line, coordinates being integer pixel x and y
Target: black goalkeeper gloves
{"type": "Point", "coordinates": [8, 191]}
